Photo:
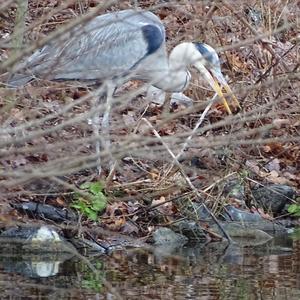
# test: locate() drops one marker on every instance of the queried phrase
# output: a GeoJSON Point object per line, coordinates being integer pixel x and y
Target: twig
{"type": "Point", "coordinates": [244, 21]}
{"type": "Point", "coordinates": [6, 4]}
{"type": "Point", "coordinates": [58, 33]}
{"type": "Point", "coordinates": [198, 124]}
{"type": "Point", "coordinates": [176, 162]}
{"type": "Point", "coordinates": [189, 138]}
{"type": "Point", "coordinates": [18, 35]}
{"type": "Point", "coordinates": [218, 181]}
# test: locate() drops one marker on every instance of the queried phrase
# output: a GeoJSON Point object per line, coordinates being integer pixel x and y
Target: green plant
{"type": "Point", "coordinates": [93, 203]}
{"type": "Point", "coordinates": [294, 209]}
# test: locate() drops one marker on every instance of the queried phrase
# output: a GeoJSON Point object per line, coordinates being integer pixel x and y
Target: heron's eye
{"type": "Point", "coordinates": [209, 54]}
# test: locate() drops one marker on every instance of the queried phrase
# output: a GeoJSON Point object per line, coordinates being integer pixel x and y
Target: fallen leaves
{"type": "Point", "coordinates": [142, 171]}
{"type": "Point", "coordinates": [273, 176]}
{"type": "Point", "coordinates": [238, 63]}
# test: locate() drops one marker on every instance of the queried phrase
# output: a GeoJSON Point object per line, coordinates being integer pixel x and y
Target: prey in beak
{"type": "Point", "coordinates": [210, 67]}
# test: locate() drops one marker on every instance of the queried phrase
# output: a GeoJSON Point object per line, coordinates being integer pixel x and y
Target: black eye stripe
{"type": "Point", "coordinates": [210, 57]}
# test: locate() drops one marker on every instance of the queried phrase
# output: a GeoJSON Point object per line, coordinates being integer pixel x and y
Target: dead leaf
{"type": "Point", "coordinates": [154, 174]}
{"type": "Point", "coordinates": [129, 228]}
{"type": "Point", "coordinates": [274, 148]}
{"type": "Point", "coordinates": [274, 165]}
{"type": "Point", "coordinates": [252, 165]}
{"type": "Point", "coordinates": [278, 123]}
{"type": "Point", "coordinates": [17, 114]}
{"type": "Point", "coordinates": [116, 224]}
{"type": "Point", "coordinates": [159, 201]}
{"type": "Point", "coordinates": [237, 63]}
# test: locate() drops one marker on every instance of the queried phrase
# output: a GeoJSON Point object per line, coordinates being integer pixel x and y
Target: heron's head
{"type": "Point", "coordinates": [209, 65]}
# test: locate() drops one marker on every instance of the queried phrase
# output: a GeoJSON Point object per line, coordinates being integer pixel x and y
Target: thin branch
{"type": "Point", "coordinates": [187, 179]}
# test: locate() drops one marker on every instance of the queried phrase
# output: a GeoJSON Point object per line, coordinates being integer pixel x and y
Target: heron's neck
{"type": "Point", "coordinates": [182, 56]}
{"type": "Point", "coordinates": [177, 76]}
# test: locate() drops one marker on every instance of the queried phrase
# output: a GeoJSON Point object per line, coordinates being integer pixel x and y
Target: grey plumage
{"type": "Point", "coordinates": [124, 45]}
{"type": "Point", "coordinates": [107, 46]}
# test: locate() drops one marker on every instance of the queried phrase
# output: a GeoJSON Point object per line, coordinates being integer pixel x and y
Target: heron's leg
{"type": "Point", "coordinates": [95, 122]}
{"type": "Point", "coordinates": [105, 120]}
{"type": "Point", "coordinates": [155, 95]}
{"type": "Point", "coordinates": [106, 115]}
{"type": "Point", "coordinates": [96, 129]}
{"type": "Point", "coordinates": [167, 104]}
{"type": "Point", "coordinates": [158, 96]}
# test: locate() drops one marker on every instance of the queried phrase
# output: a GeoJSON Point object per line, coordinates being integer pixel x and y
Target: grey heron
{"type": "Point", "coordinates": [126, 44]}
{"type": "Point", "coordinates": [120, 46]}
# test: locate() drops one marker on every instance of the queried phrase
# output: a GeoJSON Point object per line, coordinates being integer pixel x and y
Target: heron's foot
{"type": "Point", "coordinates": [112, 172]}
{"type": "Point", "coordinates": [181, 99]}
{"type": "Point", "coordinates": [158, 96]}
{"type": "Point", "coordinates": [155, 95]}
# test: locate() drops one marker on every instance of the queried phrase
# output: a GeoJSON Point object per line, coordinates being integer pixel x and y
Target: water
{"type": "Point", "coordinates": [214, 271]}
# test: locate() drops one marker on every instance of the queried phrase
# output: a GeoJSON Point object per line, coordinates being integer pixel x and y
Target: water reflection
{"type": "Point", "coordinates": [33, 265]}
{"type": "Point", "coordinates": [214, 271]}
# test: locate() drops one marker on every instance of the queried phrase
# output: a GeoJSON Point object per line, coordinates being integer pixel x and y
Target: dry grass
{"type": "Point", "coordinates": [45, 134]}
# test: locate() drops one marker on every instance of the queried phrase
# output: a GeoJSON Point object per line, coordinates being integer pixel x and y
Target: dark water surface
{"type": "Point", "coordinates": [214, 271]}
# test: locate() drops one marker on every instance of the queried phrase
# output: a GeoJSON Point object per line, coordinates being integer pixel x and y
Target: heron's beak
{"type": "Point", "coordinates": [217, 81]}
{"type": "Point", "coordinates": [219, 76]}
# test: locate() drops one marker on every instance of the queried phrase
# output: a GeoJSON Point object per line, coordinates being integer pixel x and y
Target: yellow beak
{"type": "Point", "coordinates": [220, 78]}
{"type": "Point", "coordinates": [218, 90]}
{"type": "Point", "coordinates": [217, 82]}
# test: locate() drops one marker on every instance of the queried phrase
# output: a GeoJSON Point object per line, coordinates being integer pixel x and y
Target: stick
{"type": "Point", "coordinates": [176, 162]}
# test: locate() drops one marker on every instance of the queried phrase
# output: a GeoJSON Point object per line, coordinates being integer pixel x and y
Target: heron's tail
{"type": "Point", "coordinates": [18, 80]}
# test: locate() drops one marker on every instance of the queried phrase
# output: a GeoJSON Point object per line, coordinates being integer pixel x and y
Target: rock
{"type": "Point", "coordinates": [190, 229]}
{"type": "Point", "coordinates": [274, 197]}
{"type": "Point", "coordinates": [232, 213]}
{"type": "Point", "coordinates": [45, 211]}
{"type": "Point", "coordinates": [202, 213]}
{"type": "Point", "coordinates": [246, 236]}
{"type": "Point", "coordinates": [254, 221]}
{"type": "Point", "coordinates": [267, 226]}
{"type": "Point", "coordinates": [239, 231]}
{"type": "Point", "coordinates": [34, 239]}
{"type": "Point", "coordinates": [166, 236]}
{"type": "Point", "coordinates": [194, 211]}
{"type": "Point", "coordinates": [86, 246]}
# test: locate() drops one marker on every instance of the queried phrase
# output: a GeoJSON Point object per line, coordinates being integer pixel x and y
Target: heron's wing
{"type": "Point", "coordinates": [107, 46]}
